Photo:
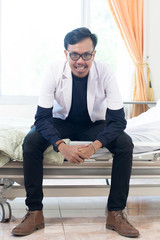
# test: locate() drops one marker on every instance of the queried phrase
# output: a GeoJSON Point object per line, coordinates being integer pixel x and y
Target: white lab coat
{"type": "Point", "coordinates": [102, 90]}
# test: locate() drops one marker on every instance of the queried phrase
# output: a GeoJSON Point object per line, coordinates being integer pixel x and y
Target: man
{"type": "Point", "coordinates": [79, 100]}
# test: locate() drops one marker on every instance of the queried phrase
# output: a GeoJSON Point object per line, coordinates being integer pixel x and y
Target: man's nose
{"type": "Point", "coordinates": [80, 60]}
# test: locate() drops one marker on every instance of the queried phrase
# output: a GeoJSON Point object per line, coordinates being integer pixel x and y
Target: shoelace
{"type": "Point", "coordinates": [123, 217]}
{"type": "Point", "coordinates": [27, 217]}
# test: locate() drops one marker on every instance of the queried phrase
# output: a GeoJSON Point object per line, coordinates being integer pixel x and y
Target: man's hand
{"type": "Point", "coordinates": [78, 153]}
{"type": "Point", "coordinates": [89, 149]}
{"type": "Point", "coordinates": [73, 153]}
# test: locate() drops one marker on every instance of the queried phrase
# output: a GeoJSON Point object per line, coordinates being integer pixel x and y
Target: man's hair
{"type": "Point", "coordinates": [78, 35]}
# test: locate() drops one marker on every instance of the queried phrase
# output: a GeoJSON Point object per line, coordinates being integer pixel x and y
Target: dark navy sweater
{"type": "Point", "coordinates": [78, 113]}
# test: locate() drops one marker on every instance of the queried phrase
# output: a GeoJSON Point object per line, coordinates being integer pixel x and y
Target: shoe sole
{"type": "Point", "coordinates": [24, 234]}
{"type": "Point", "coordinates": [114, 229]}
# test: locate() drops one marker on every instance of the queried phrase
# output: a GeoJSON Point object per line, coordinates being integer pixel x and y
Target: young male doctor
{"type": "Point", "coordinates": [79, 100]}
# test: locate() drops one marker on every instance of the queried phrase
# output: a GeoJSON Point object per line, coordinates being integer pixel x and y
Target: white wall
{"type": "Point", "coordinates": [152, 41]}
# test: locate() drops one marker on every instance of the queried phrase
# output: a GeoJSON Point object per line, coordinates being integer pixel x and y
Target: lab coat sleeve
{"type": "Point", "coordinates": [44, 115]}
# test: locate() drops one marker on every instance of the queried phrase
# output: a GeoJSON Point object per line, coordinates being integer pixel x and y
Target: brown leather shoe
{"type": "Point", "coordinates": [32, 221]}
{"type": "Point", "coordinates": [117, 221]}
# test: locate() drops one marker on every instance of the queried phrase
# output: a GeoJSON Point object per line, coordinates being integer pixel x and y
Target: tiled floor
{"type": "Point", "coordinates": [84, 219]}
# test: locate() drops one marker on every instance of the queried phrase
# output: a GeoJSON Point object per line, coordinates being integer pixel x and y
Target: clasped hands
{"type": "Point", "coordinates": [76, 153]}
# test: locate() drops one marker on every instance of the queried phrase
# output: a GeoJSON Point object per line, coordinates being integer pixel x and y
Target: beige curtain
{"type": "Point", "coordinates": [128, 15]}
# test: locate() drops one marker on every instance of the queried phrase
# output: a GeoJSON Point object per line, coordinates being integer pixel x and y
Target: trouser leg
{"type": "Point", "coordinates": [122, 148]}
{"type": "Point", "coordinates": [33, 147]}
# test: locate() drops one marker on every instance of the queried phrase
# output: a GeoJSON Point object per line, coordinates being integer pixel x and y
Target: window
{"type": "Point", "coordinates": [32, 33]}
{"type": "Point", "coordinates": [111, 47]}
{"type": "Point", "coordinates": [32, 37]}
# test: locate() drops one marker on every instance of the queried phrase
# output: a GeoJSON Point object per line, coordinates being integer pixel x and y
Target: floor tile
{"type": "Point", "coordinates": [48, 233]}
{"type": "Point", "coordinates": [83, 203]}
{"type": "Point", "coordinates": [84, 219]}
{"type": "Point", "coordinates": [92, 232]}
{"type": "Point", "coordinates": [83, 213]}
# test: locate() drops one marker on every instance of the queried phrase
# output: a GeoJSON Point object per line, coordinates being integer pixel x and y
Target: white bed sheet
{"type": "Point", "coordinates": [145, 128]}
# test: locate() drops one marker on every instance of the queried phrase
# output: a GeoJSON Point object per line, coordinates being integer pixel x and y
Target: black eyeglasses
{"type": "Point", "coordinates": [85, 56]}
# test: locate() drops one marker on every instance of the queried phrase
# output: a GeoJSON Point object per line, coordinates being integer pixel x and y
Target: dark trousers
{"type": "Point", "coordinates": [34, 145]}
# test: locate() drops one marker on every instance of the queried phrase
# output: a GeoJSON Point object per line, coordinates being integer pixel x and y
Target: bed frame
{"type": "Point", "coordinates": [145, 166]}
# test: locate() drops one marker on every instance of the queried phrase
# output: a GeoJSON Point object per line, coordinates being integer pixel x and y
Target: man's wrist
{"type": "Point", "coordinates": [61, 146]}
{"type": "Point", "coordinates": [94, 148]}
{"type": "Point", "coordinates": [57, 144]}
{"type": "Point", "coordinates": [97, 144]}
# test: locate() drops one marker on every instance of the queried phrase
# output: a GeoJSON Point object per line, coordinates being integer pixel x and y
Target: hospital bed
{"type": "Point", "coordinates": [92, 178]}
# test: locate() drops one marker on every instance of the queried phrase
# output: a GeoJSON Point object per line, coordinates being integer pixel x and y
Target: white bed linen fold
{"type": "Point", "coordinates": [12, 133]}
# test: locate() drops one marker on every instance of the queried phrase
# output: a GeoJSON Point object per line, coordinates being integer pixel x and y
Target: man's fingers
{"type": "Point", "coordinates": [83, 154]}
{"type": "Point", "coordinates": [76, 161]}
{"type": "Point", "coordinates": [79, 158]}
{"type": "Point", "coordinates": [83, 146]}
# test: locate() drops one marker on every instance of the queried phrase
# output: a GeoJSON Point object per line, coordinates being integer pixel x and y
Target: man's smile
{"type": "Point", "coordinates": [80, 68]}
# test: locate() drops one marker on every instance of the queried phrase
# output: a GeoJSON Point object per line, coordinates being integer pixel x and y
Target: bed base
{"type": "Point", "coordinates": [12, 185]}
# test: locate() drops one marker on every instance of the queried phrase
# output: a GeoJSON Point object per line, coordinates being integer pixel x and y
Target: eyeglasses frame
{"type": "Point", "coordinates": [81, 55]}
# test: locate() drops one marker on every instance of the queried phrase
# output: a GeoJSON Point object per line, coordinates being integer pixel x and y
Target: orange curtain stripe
{"type": "Point", "coordinates": [128, 15]}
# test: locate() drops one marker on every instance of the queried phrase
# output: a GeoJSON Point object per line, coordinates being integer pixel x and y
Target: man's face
{"type": "Point", "coordinates": [80, 67]}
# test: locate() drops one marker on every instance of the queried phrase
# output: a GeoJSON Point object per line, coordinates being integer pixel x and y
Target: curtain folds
{"type": "Point", "coordinates": [128, 15]}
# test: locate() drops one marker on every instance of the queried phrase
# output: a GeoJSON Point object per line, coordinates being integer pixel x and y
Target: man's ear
{"type": "Point", "coordinates": [94, 53]}
{"type": "Point", "coordinates": [66, 54]}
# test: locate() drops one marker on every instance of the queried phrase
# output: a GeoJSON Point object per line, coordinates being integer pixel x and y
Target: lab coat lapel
{"type": "Point", "coordinates": [67, 86]}
{"type": "Point", "coordinates": [92, 88]}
